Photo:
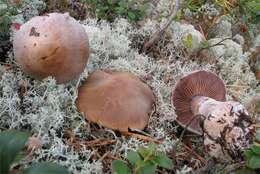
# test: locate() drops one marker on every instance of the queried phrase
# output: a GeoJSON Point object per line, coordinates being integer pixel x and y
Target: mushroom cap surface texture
{"type": "Point", "coordinates": [52, 45]}
{"type": "Point", "coordinates": [116, 100]}
{"type": "Point", "coordinates": [198, 83]}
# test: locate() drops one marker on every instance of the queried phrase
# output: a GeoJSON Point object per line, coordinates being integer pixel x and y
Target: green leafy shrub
{"type": "Point", "coordinates": [110, 9]}
{"type": "Point", "coordinates": [252, 160]}
{"type": "Point", "coordinates": [145, 160]}
{"type": "Point", "coordinates": [194, 5]}
{"type": "Point", "coordinates": [11, 143]}
{"type": "Point", "coordinates": [7, 10]}
{"type": "Point", "coordinates": [253, 156]}
{"type": "Point", "coordinates": [250, 10]}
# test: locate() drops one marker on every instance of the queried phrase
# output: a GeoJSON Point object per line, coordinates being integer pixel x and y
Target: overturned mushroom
{"type": "Point", "coordinates": [117, 100]}
{"type": "Point", "coordinates": [52, 45]}
{"type": "Point", "coordinates": [199, 101]}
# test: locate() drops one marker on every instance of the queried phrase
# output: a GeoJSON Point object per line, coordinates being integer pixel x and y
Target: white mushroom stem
{"type": "Point", "coordinates": [226, 127]}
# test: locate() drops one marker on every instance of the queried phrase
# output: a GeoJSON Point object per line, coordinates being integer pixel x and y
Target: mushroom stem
{"type": "Point", "coordinates": [201, 105]}
{"type": "Point", "coordinates": [227, 126]}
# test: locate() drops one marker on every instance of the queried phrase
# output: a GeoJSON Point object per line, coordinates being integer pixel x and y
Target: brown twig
{"type": "Point", "coordinates": [143, 137]}
{"type": "Point", "coordinates": [238, 86]}
{"type": "Point", "coordinates": [220, 42]}
{"type": "Point", "coordinates": [193, 152]}
{"type": "Point", "coordinates": [98, 142]}
{"type": "Point", "coordinates": [155, 37]}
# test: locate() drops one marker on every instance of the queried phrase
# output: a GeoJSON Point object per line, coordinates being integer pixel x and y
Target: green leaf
{"type": "Point", "coordinates": [163, 161]}
{"type": "Point", "coordinates": [11, 143]}
{"type": "Point", "coordinates": [249, 154]}
{"type": "Point", "coordinates": [245, 171]}
{"type": "Point", "coordinates": [204, 44]}
{"type": "Point", "coordinates": [120, 167]}
{"type": "Point", "coordinates": [131, 15]}
{"type": "Point", "coordinates": [133, 157]}
{"type": "Point", "coordinates": [256, 148]}
{"type": "Point", "coordinates": [148, 167]}
{"type": "Point", "coordinates": [120, 10]}
{"type": "Point", "coordinates": [147, 152]}
{"type": "Point", "coordinates": [110, 2]}
{"type": "Point", "coordinates": [19, 157]}
{"type": "Point", "coordinates": [258, 130]}
{"type": "Point", "coordinates": [46, 168]}
{"type": "Point", "coordinates": [187, 41]}
{"type": "Point", "coordinates": [254, 162]}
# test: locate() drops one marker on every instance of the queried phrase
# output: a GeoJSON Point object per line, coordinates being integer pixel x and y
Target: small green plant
{"type": "Point", "coordinates": [187, 41]}
{"type": "Point", "coordinates": [250, 10]}
{"type": "Point", "coordinates": [110, 9]}
{"type": "Point", "coordinates": [253, 156]}
{"type": "Point", "coordinates": [194, 5]}
{"type": "Point", "coordinates": [252, 160]}
{"type": "Point", "coordinates": [142, 161]}
{"type": "Point", "coordinates": [226, 5]}
{"type": "Point", "coordinates": [7, 10]}
{"type": "Point", "coordinates": [11, 143]}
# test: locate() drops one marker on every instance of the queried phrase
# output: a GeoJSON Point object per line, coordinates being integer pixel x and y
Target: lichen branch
{"type": "Point", "coordinates": [155, 37]}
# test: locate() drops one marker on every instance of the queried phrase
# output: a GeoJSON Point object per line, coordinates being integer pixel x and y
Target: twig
{"type": "Point", "coordinates": [220, 42]}
{"type": "Point", "coordinates": [187, 147]}
{"type": "Point", "coordinates": [256, 125]}
{"type": "Point", "coordinates": [237, 86]}
{"type": "Point", "coordinates": [154, 38]}
{"type": "Point", "coordinates": [189, 123]}
{"type": "Point", "coordinates": [98, 142]}
{"type": "Point", "coordinates": [193, 153]}
{"type": "Point", "coordinates": [206, 168]}
{"type": "Point", "coordinates": [104, 156]}
{"type": "Point", "coordinates": [143, 137]}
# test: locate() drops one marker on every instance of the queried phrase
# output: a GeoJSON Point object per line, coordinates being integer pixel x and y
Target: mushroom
{"type": "Point", "coordinates": [117, 100]}
{"type": "Point", "coordinates": [201, 106]}
{"type": "Point", "coordinates": [52, 45]}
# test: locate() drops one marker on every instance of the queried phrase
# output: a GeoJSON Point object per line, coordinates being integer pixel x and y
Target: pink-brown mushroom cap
{"type": "Point", "coordinates": [199, 83]}
{"type": "Point", "coordinates": [117, 100]}
{"type": "Point", "coordinates": [52, 45]}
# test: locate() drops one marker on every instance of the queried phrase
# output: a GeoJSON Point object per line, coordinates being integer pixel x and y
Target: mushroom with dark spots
{"type": "Point", "coordinates": [225, 125]}
{"type": "Point", "coordinates": [54, 45]}
{"type": "Point", "coordinates": [117, 100]}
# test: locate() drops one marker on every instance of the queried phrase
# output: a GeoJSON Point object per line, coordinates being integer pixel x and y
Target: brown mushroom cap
{"type": "Point", "coordinates": [52, 45]}
{"type": "Point", "coordinates": [199, 83]}
{"type": "Point", "coordinates": [117, 100]}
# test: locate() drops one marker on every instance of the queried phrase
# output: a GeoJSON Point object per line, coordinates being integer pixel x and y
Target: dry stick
{"type": "Point", "coordinates": [189, 123]}
{"type": "Point", "coordinates": [194, 153]}
{"type": "Point", "coordinates": [217, 44]}
{"type": "Point", "coordinates": [220, 42]}
{"type": "Point", "coordinates": [187, 147]}
{"type": "Point", "coordinates": [143, 137]}
{"type": "Point", "coordinates": [155, 37]}
{"type": "Point", "coordinates": [237, 86]}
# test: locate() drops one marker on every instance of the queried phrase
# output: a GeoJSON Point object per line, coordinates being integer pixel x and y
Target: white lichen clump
{"type": "Point", "coordinates": [223, 27]}
{"type": "Point", "coordinates": [234, 69]}
{"type": "Point", "coordinates": [182, 32]}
